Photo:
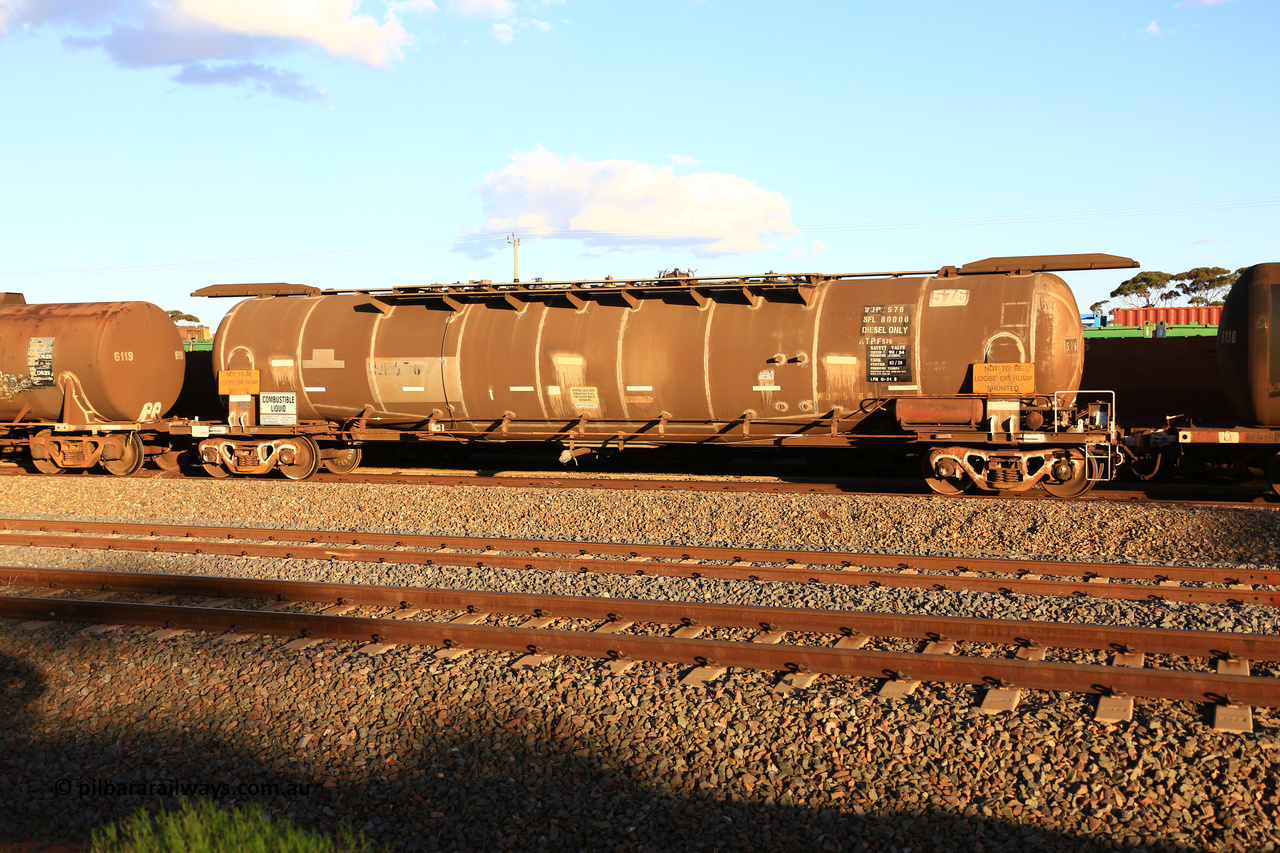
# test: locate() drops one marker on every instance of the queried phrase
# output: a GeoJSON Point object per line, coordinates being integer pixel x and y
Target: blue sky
{"type": "Point", "coordinates": [152, 147]}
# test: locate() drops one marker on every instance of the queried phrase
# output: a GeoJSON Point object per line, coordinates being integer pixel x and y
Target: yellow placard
{"type": "Point", "coordinates": [1004, 378]}
{"type": "Point", "coordinates": [238, 382]}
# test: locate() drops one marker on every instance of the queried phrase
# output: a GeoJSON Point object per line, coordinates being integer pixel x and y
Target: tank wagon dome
{"type": "Point", "coordinates": [119, 361]}
{"type": "Point", "coordinates": [1249, 349]}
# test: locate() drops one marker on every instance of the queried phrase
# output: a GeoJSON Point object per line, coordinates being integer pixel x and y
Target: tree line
{"type": "Point", "coordinates": [1199, 286]}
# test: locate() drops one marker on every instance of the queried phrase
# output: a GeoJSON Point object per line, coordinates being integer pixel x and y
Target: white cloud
{"type": "Point", "coordinates": [505, 31]}
{"type": "Point", "coordinates": [333, 25]}
{"type": "Point", "coordinates": [222, 42]}
{"type": "Point", "coordinates": [799, 253]}
{"type": "Point", "coordinates": [413, 7]}
{"type": "Point", "coordinates": [245, 43]}
{"type": "Point", "coordinates": [249, 75]}
{"type": "Point", "coordinates": [627, 203]}
{"type": "Point", "coordinates": [1151, 29]}
{"type": "Point", "coordinates": [682, 160]}
{"type": "Point", "coordinates": [482, 8]}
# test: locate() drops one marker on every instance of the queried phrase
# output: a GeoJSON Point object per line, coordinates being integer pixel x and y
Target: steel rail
{"type": "Point", "coordinates": [732, 553]}
{"type": "Point", "coordinates": [848, 577]}
{"type": "Point", "coordinates": [777, 574]}
{"type": "Point", "coordinates": [1043, 675]}
{"type": "Point", "coordinates": [800, 566]}
{"type": "Point", "coordinates": [807, 620]}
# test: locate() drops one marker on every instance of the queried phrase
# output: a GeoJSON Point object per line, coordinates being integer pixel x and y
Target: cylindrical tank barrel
{"type": "Point", "coordinates": [123, 359]}
{"type": "Point", "coordinates": [1249, 348]}
{"type": "Point", "coordinates": [614, 360]}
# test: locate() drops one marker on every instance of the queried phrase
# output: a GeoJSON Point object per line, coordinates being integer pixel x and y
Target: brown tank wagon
{"type": "Point", "coordinates": [977, 365]}
{"type": "Point", "coordinates": [80, 383]}
{"type": "Point", "coordinates": [1249, 349]}
{"type": "Point", "coordinates": [1248, 362]}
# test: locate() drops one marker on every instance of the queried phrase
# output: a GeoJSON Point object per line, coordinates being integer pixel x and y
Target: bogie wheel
{"type": "Point", "coordinates": [954, 484]}
{"type": "Point", "coordinates": [131, 460]}
{"type": "Point", "coordinates": [306, 458]}
{"type": "Point", "coordinates": [215, 471]}
{"type": "Point", "coordinates": [1084, 474]}
{"type": "Point", "coordinates": [46, 466]}
{"type": "Point", "coordinates": [346, 460]}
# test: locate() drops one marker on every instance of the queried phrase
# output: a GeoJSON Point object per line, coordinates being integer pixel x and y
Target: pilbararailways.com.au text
{"type": "Point", "coordinates": [177, 788]}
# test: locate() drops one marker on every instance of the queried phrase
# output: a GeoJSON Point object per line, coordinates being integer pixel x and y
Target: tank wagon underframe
{"type": "Point", "coordinates": [956, 457]}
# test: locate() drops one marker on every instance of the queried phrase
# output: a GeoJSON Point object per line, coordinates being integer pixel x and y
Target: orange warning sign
{"type": "Point", "coordinates": [1004, 378]}
{"type": "Point", "coordinates": [238, 382]}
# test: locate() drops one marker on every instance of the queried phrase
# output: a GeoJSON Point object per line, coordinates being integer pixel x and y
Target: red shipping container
{"type": "Point", "coordinates": [1204, 315]}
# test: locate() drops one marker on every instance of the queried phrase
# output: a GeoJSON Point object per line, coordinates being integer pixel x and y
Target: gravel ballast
{"type": "Point", "coordinates": [473, 754]}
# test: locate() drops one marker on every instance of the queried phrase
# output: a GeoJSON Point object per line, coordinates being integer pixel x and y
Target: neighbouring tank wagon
{"type": "Point", "coordinates": [1248, 360]}
{"type": "Point", "coordinates": [1249, 348]}
{"type": "Point", "coordinates": [81, 383]}
{"type": "Point", "coordinates": [978, 365]}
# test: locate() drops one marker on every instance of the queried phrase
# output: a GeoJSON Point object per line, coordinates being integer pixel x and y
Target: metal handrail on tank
{"type": "Point", "coordinates": [678, 281]}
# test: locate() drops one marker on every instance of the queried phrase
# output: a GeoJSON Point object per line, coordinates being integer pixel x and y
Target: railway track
{"type": "Point", "coordinates": [801, 644]}
{"type": "Point", "coordinates": [1180, 494]}
{"type": "Point", "coordinates": [1134, 582]}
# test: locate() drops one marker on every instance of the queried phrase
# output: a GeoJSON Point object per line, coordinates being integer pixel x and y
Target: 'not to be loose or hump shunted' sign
{"type": "Point", "coordinates": [1004, 378]}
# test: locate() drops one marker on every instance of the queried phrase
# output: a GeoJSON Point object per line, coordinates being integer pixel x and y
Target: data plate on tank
{"type": "Point", "coordinates": [40, 361]}
{"type": "Point", "coordinates": [888, 363]}
{"type": "Point", "coordinates": [886, 336]}
{"type": "Point", "coordinates": [585, 397]}
{"type": "Point", "coordinates": [1004, 378]}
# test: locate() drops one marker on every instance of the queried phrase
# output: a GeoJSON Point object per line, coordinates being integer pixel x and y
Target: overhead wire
{"type": "Point", "coordinates": [670, 234]}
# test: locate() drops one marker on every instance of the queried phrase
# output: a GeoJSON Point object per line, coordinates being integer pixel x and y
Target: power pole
{"type": "Point", "coordinates": [515, 242]}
